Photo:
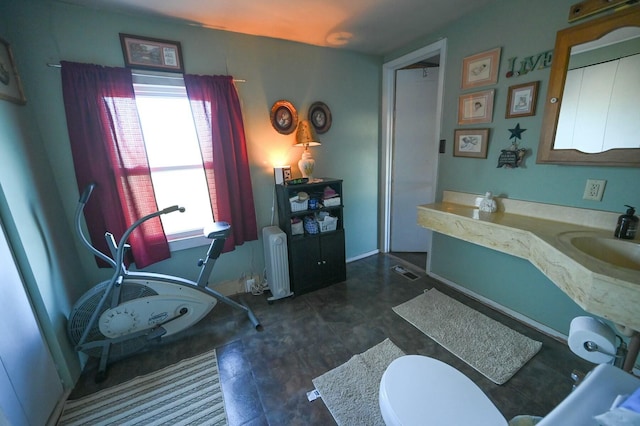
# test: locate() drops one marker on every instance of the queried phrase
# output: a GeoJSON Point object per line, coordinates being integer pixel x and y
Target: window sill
{"type": "Point", "coordinates": [188, 242]}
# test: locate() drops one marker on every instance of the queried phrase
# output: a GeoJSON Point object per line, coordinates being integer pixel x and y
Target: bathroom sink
{"type": "Point", "coordinates": [621, 253]}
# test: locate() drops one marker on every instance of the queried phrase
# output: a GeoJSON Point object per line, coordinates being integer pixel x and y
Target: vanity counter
{"type": "Point", "coordinates": [528, 230]}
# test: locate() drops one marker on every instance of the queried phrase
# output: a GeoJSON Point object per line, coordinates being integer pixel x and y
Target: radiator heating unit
{"type": "Point", "coordinates": [276, 259]}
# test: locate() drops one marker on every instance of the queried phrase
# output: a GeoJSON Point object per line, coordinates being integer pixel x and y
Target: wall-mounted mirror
{"type": "Point", "coordinates": [592, 110]}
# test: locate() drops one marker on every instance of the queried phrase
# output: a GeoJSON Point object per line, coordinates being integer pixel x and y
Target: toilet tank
{"type": "Point", "coordinates": [592, 397]}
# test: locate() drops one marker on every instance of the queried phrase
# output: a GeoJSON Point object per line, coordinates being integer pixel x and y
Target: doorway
{"type": "Point", "coordinates": [30, 387]}
{"type": "Point", "coordinates": [411, 118]}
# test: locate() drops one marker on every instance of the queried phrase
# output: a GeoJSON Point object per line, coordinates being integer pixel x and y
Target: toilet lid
{"type": "Point", "coordinates": [418, 390]}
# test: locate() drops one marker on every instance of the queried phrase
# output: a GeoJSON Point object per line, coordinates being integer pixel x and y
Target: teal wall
{"type": "Point", "coordinates": [521, 28]}
{"type": "Point", "coordinates": [36, 169]}
{"type": "Point", "coordinates": [32, 214]}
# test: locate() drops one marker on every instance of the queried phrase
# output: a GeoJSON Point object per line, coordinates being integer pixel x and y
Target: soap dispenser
{"type": "Point", "coordinates": [627, 224]}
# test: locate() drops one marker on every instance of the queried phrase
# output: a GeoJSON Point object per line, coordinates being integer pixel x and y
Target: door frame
{"type": "Point", "coordinates": [388, 122]}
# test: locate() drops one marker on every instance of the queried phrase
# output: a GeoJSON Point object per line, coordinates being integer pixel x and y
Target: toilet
{"type": "Point", "coordinates": [418, 390]}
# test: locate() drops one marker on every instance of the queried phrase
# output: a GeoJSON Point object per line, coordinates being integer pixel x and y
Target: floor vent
{"type": "Point", "coordinates": [404, 272]}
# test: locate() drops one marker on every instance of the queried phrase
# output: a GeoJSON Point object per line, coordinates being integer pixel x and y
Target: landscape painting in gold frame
{"type": "Point", "coordinates": [151, 53]}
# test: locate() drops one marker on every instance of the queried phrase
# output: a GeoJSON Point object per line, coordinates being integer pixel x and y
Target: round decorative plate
{"type": "Point", "coordinates": [284, 117]}
{"type": "Point", "coordinates": [320, 117]}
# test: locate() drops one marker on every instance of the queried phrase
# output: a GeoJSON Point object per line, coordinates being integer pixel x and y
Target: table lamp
{"type": "Point", "coordinates": [306, 137]}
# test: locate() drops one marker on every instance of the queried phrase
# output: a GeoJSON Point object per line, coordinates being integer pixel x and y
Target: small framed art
{"type": "Point", "coordinates": [470, 143]}
{"type": "Point", "coordinates": [284, 117]}
{"type": "Point", "coordinates": [522, 100]}
{"type": "Point", "coordinates": [320, 117]}
{"type": "Point", "coordinates": [474, 108]}
{"type": "Point", "coordinates": [10, 85]}
{"type": "Point", "coordinates": [151, 53]}
{"type": "Point", "coordinates": [481, 69]}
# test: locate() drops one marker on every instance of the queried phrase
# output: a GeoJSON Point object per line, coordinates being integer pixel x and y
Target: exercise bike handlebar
{"type": "Point", "coordinates": [86, 193]}
{"type": "Point", "coordinates": [81, 203]}
{"type": "Point", "coordinates": [119, 257]}
{"type": "Point", "coordinates": [172, 209]}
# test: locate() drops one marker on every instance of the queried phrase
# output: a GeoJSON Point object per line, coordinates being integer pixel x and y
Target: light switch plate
{"type": "Point", "coordinates": [594, 189]}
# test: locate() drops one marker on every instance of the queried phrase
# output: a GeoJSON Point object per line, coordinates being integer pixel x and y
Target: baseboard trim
{"type": "Point", "coordinates": [362, 256]}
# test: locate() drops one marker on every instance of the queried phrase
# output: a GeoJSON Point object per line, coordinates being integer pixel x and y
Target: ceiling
{"type": "Point", "coordinates": [368, 26]}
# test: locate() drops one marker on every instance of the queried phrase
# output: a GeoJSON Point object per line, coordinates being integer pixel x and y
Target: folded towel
{"type": "Point", "coordinates": [632, 402]}
{"type": "Point", "coordinates": [625, 414]}
{"type": "Point", "coordinates": [329, 193]}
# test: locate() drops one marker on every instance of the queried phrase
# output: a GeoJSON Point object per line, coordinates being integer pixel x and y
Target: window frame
{"type": "Point", "coordinates": [154, 83]}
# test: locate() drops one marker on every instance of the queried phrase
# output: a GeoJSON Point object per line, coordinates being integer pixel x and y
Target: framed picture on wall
{"type": "Point", "coordinates": [481, 69]}
{"type": "Point", "coordinates": [320, 117]}
{"type": "Point", "coordinates": [470, 143]}
{"type": "Point", "coordinates": [284, 117]}
{"type": "Point", "coordinates": [474, 108]}
{"type": "Point", "coordinates": [151, 53]}
{"type": "Point", "coordinates": [522, 100]}
{"type": "Point", "coordinates": [10, 85]}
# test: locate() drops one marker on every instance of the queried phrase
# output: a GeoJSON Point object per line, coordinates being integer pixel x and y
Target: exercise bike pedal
{"type": "Point", "coordinates": [157, 333]}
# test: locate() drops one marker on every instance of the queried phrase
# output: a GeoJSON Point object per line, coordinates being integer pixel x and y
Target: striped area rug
{"type": "Point", "coordinates": [188, 392]}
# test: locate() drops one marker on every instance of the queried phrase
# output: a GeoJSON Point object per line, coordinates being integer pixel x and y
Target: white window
{"type": "Point", "coordinates": [174, 156]}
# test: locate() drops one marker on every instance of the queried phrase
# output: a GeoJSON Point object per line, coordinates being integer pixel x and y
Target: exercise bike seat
{"type": "Point", "coordinates": [217, 230]}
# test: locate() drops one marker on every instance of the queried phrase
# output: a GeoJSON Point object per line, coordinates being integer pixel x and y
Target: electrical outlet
{"type": "Point", "coordinates": [594, 189]}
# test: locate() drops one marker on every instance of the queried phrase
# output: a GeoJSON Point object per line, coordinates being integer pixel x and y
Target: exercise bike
{"type": "Point", "coordinates": [128, 312]}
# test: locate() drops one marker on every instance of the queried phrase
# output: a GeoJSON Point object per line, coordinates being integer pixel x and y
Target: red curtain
{"type": "Point", "coordinates": [219, 125]}
{"type": "Point", "coordinates": [108, 148]}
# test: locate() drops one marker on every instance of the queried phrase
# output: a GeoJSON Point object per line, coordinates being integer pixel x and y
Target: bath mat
{"type": "Point", "coordinates": [188, 392]}
{"type": "Point", "coordinates": [490, 347]}
{"type": "Point", "coordinates": [350, 391]}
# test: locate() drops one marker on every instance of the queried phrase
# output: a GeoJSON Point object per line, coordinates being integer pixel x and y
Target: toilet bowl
{"type": "Point", "coordinates": [418, 390]}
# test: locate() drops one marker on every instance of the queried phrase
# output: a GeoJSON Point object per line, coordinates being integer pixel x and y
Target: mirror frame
{"type": "Point", "coordinates": [565, 39]}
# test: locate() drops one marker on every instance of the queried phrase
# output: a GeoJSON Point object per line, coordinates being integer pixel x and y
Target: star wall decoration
{"type": "Point", "coordinates": [516, 133]}
{"type": "Point", "coordinates": [513, 156]}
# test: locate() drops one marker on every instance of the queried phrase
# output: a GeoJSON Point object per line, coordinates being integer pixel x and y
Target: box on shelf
{"type": "Point", "coordinates": [330, 202]}
{"type": "Point", "coordinates": [297, 228]}
{"type": "Point", "coordinates": [299, 206]}
{"type": "Point", "coordinates": [329, 223]}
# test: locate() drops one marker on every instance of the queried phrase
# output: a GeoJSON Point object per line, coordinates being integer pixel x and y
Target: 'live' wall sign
{"type": "Point", "coordinates": [529, 63]}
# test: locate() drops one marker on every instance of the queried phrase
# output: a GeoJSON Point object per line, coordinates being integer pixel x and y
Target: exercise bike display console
{"type": "Point", "coordinates": [124, 314]}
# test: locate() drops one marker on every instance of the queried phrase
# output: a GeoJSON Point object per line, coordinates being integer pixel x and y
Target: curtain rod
{"type": "Point", "coordinates": [144, 75]}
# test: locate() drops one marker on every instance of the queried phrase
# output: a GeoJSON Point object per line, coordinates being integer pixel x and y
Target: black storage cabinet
{"type": "Point", "coordinates": [316, 260]}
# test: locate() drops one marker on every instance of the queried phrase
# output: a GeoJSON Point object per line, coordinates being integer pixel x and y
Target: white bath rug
{"type": "Point", "coordinates": [350, 391]}
{"type": "Point", "coordinates": [490, 347]}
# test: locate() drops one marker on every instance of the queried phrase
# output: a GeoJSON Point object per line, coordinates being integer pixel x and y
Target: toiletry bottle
{"type": "Point", "coordinates": [627, 225]}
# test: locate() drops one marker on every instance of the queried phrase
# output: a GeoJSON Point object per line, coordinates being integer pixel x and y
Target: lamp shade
{"type": "Point", "coordinates": [305, 136]}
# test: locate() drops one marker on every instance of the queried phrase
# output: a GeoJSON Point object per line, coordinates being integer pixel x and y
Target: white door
{"type": "Point", "coordinates": [415, 156]}
{"type": "Point", "coordinates": [29, 384]}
